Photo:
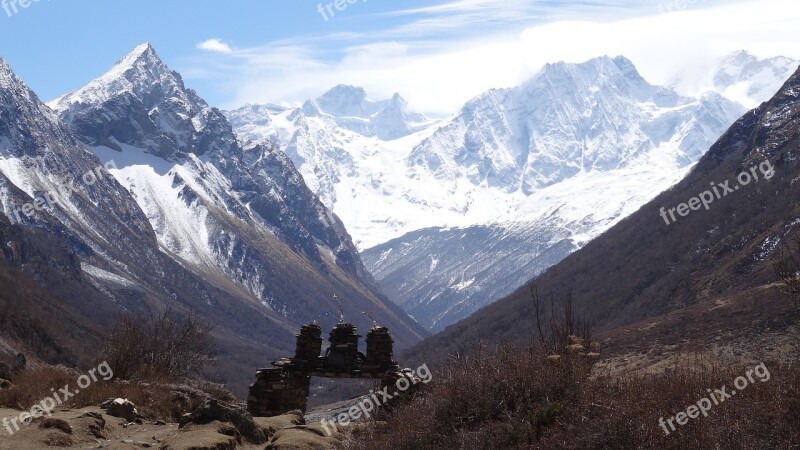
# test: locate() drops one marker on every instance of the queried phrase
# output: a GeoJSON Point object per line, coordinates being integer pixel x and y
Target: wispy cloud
{"type": "Point", "coordinates": [441, 56]}
{"type": "Point", "coordinates": [215, 45]}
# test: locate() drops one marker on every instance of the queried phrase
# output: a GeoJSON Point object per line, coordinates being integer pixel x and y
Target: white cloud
{"type": "Point", "coordinates": [215, 45]}
{"type": "Point", "coordinates": [438, 75]}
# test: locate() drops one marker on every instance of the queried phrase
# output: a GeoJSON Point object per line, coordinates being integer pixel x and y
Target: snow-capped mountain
{"type": "Point", "coordinates": [750, 81]}
{"type": "Point", "coordinates": [442, 275]}
{"type": "Point", "coordinates": [475, 205]}
{"type": "Point", "coordinates": [349, 107]}
{"type": "Point", "coordinates": [739, 76]}
{"type": "Point", "coordinates": [707, 279]}
{"type": "Point", "coordinates": [342, 107]}
{"type": "Point", "coordinates": [241, 215]}
{"type": "Point", "coordinates": [81, 250]}
{"type": "Point", "coordinates": [478, 166]}
{"type": "Point", "coordinates": [336, 161]}
{"type": "Point", "coordinates": [44, 165]}
{"type": "Point", "coordinates": [570, 119]}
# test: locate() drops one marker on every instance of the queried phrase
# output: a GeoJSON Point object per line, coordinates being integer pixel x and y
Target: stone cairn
{"type": "Point", "coordinates": [380, 353]}
{"type": "Point", "coordinates": [309, 347]}
{"type": "Point", "coordinates": [278, 391]}
{"type": "Point", "coordinates": [343, 353]}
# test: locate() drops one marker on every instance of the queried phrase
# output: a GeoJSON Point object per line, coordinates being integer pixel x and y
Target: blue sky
{"type": "Point", "coordinates": [436, 53]}
{"type": "Point", "coordinates": [59, 45]}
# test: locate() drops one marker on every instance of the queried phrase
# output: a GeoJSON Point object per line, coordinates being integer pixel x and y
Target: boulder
{"type": "Point", "coordinates": [124, 409]}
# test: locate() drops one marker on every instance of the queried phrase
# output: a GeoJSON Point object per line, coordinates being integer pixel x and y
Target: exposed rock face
{"type": "Point", "coordinates": [140, 103]}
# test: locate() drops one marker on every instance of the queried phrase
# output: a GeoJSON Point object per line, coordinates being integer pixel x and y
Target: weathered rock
{"type": "Point", "coordinates": [304, 437]}
{"type": "Point", "coordinates": [271, 425]}
{"type": "Point", "coordinates": [211, 436]}
{"type": "Point", "coordinates": [216, 410]}
{"type": "Point", "coordinates": [124, 409]}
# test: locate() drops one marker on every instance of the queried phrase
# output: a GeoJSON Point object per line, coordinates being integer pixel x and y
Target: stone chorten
{"type": "Point", "coordinates": [309, 347]}
{"type": "Point", "coordinates": [286, 386]}
{"type": "Point", "coordinates": [343, 353]}
{"type": "Point", "coordinates": [380, 353]}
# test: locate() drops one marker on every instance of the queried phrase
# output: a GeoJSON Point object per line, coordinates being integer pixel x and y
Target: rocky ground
{"type": "Point", "coordinates": [92, 427]}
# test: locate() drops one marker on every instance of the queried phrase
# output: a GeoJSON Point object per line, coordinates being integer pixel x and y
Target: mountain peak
{"type": "Point", "coordinates": [345, 90]}
{"type": "Point", "coordinates": [617, 73]}
{"type": "Point", "coordinates": [600, 64]}
{"type": "Point", "coordinates": [143, 51]}
{"type": "Point", "coordinates": [9, 78]}
{"type": "Point", "coordinates": [398, 99]}
{"type": "Point", "coordinates": [7, 75]}
{"type": "Point", "coordinates": [140, 73]}
{"type": "Point", "coordinates": [142, 60]}
{"type": "Point", "coordinates": [750, 80]}
{"type": "Point", "coordinates": [143, 48]}
{"type": "Point", "coordinates": [4, 67]}
{"type": "Point", "coordinates": [739, 57]}
{"type": "Point", "coordinates": [343, 99]}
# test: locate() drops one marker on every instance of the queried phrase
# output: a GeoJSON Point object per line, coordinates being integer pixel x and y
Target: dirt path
{"type": "Point", "coordinates": [91, 428]}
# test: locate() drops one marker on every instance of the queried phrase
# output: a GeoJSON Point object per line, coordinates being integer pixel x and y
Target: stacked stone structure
{"type": "Point", "coordinates": [309, 346]}
{"type": "Point", "coordinates": [343, 355]}
{"type": "Point", "coordinates": [380, 350]}
{"type": "Point", "coordinates": [285, 386]}
{"type": "Point", "coordinates": [278, 391]}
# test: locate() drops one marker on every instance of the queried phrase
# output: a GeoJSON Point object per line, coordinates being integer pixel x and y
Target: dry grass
{"type": "Point", "coordinates": [155, 398]}
{"type": "Point", "coordinates": [517, 398]}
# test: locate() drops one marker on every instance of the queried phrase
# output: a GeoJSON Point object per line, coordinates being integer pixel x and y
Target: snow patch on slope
{"type": "Point", "coordinates": [159, 189]}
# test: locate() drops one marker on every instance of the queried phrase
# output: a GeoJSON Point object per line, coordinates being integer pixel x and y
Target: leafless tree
{"type": "Point", "coordinates": [561, 327]}
{"type": "Point", "coordinates": [163, 346]}
{"type": "Point", "coordinates": [787, 268]}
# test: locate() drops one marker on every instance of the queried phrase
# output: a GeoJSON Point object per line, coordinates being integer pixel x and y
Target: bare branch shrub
{"type": "Point", "coordinates": [787, 268]}
{"type": "Point", "coordinates": [565, 332]}
{"type": "Point", "coordinates": [163, 346]}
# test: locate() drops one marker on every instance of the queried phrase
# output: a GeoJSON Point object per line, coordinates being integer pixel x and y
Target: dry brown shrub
{"type": "Point", "coordinates": [516, 398]}
{"type": "Point", "coordinates": [58, 424]}
{"type": "Point", "coordinates": [155, 398]}
{"type": "Point", "coordinates": [166, 346]}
